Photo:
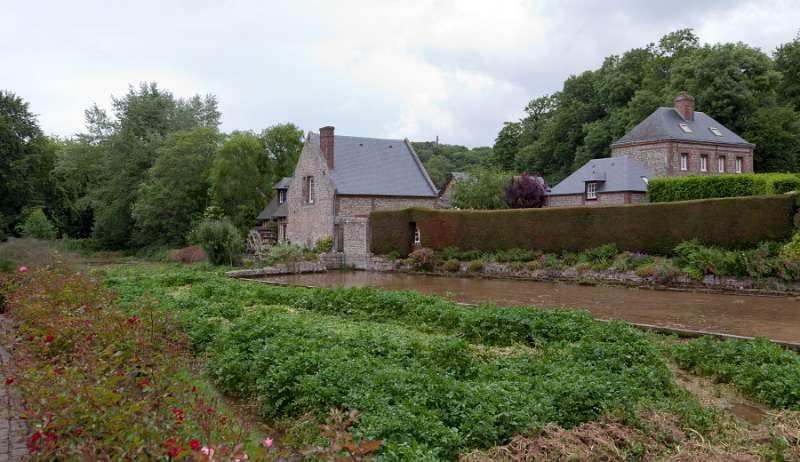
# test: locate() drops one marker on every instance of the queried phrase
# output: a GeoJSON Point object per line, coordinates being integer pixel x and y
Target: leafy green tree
{"type": "Point", "coordinates": [37, 226]}
{"type": "Point", "coordinates": [238, 186]}
{"type": "Point", "coordinates": [787, 62]}
{"type": "Point", "coordinates": [143, 119]}
{"type": "Point", "coordinates": [175, 193]}
{"type": "Point", "coordinates": [26, 159]}
{"type": "Point", "coordinates": [485, 189]}
{"type": "Point", "coordinates": [776, 133]}
{"type": "Point", "coordinates": [283, 143]}
{"type": "Point", "coordinates": [506, 145]}
{"type": "Point", "coordinates": [79, 169]}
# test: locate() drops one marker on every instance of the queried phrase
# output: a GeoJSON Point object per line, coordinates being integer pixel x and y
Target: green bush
{"type": "Point", "coordinates": [661, 270]}
{"type": "Point", "coordinates": [220, 240]}
{"type": "Point", "coordinates": [289, 254]}
{"type": "Point", "coordinates": [670, 189]}
{"type": "Point", "coordinates": [37, 226]}
{"type": "Point", "coordinates": [323, 245]}
{"type": "Point", "coordinates": [475, 266]}
{"type": "Point", "coordinates": [79, 246]}
{"type": "Point", "coordinates": [758, 367]}
{"type": "Point", "coordinates": [452, 265]}
{"type": "Point", "coordinates": [648, 228]}
{"type": "Point", "coordinates": [630, 261]}
{"type": "Point", "coordinates": [6, 266]}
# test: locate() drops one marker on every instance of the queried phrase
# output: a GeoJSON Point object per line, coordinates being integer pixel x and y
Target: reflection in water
{"type": "Point", "coordinates": [775, 317]}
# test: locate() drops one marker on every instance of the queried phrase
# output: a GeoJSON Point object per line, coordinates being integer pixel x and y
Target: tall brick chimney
{"type": "Point", "coordinates": [326, 144]}
{"type": "Point", "coordinates": [684, 104]}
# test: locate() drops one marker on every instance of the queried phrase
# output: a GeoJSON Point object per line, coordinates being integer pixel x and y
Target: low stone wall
{"type": "Point", "coordinates": [282, 268]}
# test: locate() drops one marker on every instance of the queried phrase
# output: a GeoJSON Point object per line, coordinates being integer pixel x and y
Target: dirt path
{"type": "Point", "coordinates": [13, 430]}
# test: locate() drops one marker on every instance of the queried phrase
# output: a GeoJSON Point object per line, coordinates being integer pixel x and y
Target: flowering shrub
{"type": "Point", "coordinates": [102, 385]}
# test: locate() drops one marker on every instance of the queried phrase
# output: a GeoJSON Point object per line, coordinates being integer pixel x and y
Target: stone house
{"type": "Point", "coordinates": [672, 141]}
{"type": "Point", "coordinates": [272, 220]}
{"type": "Point", "coordinates": [612, 180]}
{"type": "Point", "coordinates": [340, 180]}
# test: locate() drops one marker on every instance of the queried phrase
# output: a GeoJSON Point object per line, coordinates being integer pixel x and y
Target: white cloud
{"type": "Point", "coordinates": [456, 69]}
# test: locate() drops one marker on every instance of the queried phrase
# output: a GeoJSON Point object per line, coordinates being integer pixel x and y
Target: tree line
{"type": "Point", "coordinates": [142, 175]}
{"type": "Point", "coordinates": [755, 94]}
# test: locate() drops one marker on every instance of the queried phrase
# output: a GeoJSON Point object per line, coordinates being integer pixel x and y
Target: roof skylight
{"type": "Point", "coordinates": [715, 131]}
{"type": "Point", "coordinates": [685, 128]}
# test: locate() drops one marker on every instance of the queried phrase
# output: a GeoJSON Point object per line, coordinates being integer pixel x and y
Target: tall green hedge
{"type": "Point", "coordinates": [707, 187]}
{"type": "Point", "coordinates": [651, 228]}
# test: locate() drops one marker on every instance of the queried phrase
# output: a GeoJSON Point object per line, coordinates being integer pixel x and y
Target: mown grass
{"type": "Point", "coordinates": [423, 371]}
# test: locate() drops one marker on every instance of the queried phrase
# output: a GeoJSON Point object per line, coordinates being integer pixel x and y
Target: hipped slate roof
{"type": "Point", "coordinates": [273, 209]}
{"type": "Point", "coordinates": [377, 167]}
{"type": "Point", "coordinates": [613, 174]}
{"type": "Point", "coordinates": [664, 124]}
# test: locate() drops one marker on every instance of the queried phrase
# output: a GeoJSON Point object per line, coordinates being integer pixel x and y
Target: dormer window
{"type": "Point", "coordinates": [591, 190]}
{"type": "Point", "coordinates": [281, 196]}
{"type": "Point", "coordinates": [685, 127]}
{"type": "Point", "coordinates": [715, 131]}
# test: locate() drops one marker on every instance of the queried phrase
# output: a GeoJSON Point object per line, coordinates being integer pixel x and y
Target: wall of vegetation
{"type": "Point", "coordinates": [650, 228]}
{"type": "Point", "coordinates": [707, 187]}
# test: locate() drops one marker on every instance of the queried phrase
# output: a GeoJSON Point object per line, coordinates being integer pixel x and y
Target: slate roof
{"type": "Point", "coordinates": [273, 209]}
{"type": "Point", "coordinates": [377, 167]}
{"type": "Point", "coordinates": [664, 124]}
{"type": "Point", "coordinates": [614, 174]}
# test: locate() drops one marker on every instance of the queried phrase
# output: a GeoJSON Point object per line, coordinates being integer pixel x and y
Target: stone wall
{"type": "Point", "coordinates": [654, 156]}
{"type": "Point", "coordinates": [664, 158]}
{"type": "Point", "coordinates": [612, 198]}
{"type": "Point", "coordinates": [307, 223]}
{"type": "Point", "coordinates": [358, 206]}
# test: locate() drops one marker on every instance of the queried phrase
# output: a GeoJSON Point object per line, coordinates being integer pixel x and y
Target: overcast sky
{"type": "Point", "coordinates": [405, 68]}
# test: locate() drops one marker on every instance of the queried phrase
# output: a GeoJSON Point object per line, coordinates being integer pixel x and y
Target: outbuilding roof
{"type": "Point", "coordinates": [612, 174]}
{"type": "Point", "coordinates": [274, 209]}
{"type": "Point", "coordinates": [665, 123]}
{"type": "Point", "coordinates": [377, 167]}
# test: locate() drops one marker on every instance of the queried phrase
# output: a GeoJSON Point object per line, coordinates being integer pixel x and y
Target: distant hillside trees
{"type": "Point", "coordinates": [754, 94]}
{"type": "Point", "coordinates": [442, 159]}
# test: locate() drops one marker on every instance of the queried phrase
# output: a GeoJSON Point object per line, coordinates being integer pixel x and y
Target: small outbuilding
{"type": "Point", "coordinates": [613, 180]}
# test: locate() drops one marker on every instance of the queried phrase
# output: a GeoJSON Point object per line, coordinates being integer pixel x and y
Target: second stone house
{"type": "Point", "coordinates": [672, 141]}
{"type": "Point", "coordinates": [339, 180]}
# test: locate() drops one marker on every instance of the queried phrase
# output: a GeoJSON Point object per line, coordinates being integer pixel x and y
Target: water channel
{"type": "Point", "coordinates": [777, 318]}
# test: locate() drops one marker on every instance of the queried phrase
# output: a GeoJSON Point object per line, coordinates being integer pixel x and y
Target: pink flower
{"type": "Point", "coordinates": [23, 269]}
{"type": "Point", "coordinates": [49, 339]}
{"type": "Point", "coordinates": [267, 443]}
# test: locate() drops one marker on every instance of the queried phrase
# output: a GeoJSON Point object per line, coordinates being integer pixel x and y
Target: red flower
{"type": "Point", "coordinates": [133, 320]}
{"type": "Point", "coordinates": [49, 339]}
{"type": "Point", "coordinates": [9, 380]}
{"type": "Point", "coordinates": [36, 437]}
{"type": "Point", "coordinates": [77, 431]}
{"type": "Point", "coordinates": [194, 389]}
{"type": "Point", "coordinates": [223, 419]}
{"type": "Point", "coordinates": [194, 444]}
{"type": "Point", "coordinates": [175, 451]}
{"type": "Point", "coordinates": [170, 442]}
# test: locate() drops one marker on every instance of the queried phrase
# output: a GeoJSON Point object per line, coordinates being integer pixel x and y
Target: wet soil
{"type": "Point", "coordinates": [774, 317]}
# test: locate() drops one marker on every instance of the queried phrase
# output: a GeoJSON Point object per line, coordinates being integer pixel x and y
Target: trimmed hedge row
{"type": "Point", "coordinates": [707, 187]}
{"type": "Point", "coordinates": [650, 228]}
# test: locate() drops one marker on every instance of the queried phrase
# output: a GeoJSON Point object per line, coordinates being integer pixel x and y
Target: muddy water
{"type": "Point", "coordinates": [777, 318]}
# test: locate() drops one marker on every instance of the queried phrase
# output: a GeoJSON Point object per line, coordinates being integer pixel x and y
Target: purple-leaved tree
{"type": "Point", "coordinates": [525, 192]}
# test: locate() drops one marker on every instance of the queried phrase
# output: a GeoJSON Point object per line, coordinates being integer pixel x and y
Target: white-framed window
{"type": "Point", "coordinates": [721, 164]}
{"type": "Point", "coordinates": [715, 131]}
{"type": "Point", "coordinates": [703, 162]}
{"type": "Point", "coordinates": [282, 234]}
{"type": "Point", "coordinates": [685, 127]}
{"type": "Point", "coordinates": [738, 165]}
{"type": "Point", "coordinates": [281, 196]}
{"type": "Point", "coordinates": [684, 162]}
{"type": "Point", "coordinates": [591, 190]}
{"type": "Point", "coordinates": [308, 189]}
{"type": "Point", "coordinates": [417, 236]}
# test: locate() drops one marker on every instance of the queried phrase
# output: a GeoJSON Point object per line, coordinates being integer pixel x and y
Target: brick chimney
{"type": "Point", "coordinates": [326, 144]}
{"type": "Point", "coordinates": [684, 104]}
